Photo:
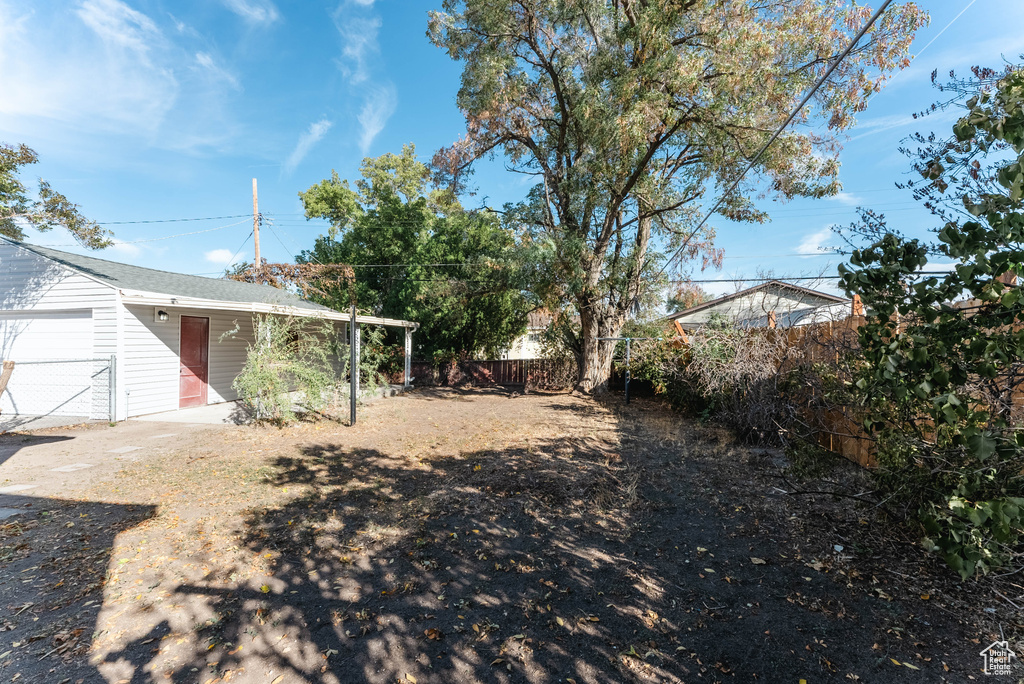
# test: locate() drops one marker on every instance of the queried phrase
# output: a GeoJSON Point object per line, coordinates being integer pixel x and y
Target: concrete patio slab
{"type": "Point", "coordinates": [15, 422]}
{"type": "Point", "coordinates": [235, 413]}
{"type": "Point", "coordinates": [227, 413]}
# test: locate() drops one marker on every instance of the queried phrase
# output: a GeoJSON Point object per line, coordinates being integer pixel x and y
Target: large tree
{"type": "Point", "coordinates": [418, 254]}
{"type": "Point", "coordinates": [628, 111]}
{"type": "Point", "coordinates": [46, 210]}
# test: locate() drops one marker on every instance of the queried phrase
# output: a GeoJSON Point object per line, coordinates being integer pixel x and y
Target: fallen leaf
{"type": "Point", "coordinates": [410, 678]}
{"type": "Point", "coordinates": [560, 621]}
{"type": "Point", "coordinates": [758, 561]}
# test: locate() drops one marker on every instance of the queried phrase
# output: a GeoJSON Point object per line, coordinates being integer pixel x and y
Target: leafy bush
{"type": "Point", "coordinates": [942, 356]}
{"type": "Point", "coordinates": [286, 354]}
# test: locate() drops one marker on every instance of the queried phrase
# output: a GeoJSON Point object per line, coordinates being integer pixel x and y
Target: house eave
{"type": "Point", "coordinates": [159, 299]}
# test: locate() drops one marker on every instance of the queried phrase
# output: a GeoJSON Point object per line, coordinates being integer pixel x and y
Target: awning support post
{"type": "Point", "coordinates": [353, 343]}
{"type": "Point", "coordinates": [408, 357]}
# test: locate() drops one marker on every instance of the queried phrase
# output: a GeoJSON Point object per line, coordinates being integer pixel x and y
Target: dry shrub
{"type": "Point", "coordinates": [744, 372]}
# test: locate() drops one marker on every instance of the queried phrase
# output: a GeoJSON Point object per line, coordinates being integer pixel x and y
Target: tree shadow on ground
{"type": "Point", "coordinates": [563, 558]}
{"type": "Point", "coordinates": [54, 557]}
{"type": "Point", "coordinates": [12, 443]}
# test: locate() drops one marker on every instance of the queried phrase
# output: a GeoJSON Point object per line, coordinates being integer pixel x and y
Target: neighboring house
{"type": "Point", "coordinates": [770, 304]}
{"type": "Point", "coordinates": [98, 339]}
{"type": "Point", "coordinates": [529, 345]}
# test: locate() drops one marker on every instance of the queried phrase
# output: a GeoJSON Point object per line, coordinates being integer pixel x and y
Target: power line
{"type": "Point", "coordinates": [828, 72]}
{"type": "Point", "coordinates": [177, 220]}
{"type": "Point", "coordinates": [157, 239]}
{"type": "Point", "coordinates": [240, 248]}
{"type": "Point", "coordinates": [279, 240]}
{"type": "Point", "coordinates": [766, 279]}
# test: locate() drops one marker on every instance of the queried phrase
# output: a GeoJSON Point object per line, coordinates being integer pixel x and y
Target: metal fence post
{"type": "Point", "coordinates": [112, 388]}
{"type": "Point", "coordinates": [628, 341]}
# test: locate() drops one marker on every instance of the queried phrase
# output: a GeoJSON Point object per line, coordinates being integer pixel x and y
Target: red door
{"type": "Point", "coordinates": [195, 361]}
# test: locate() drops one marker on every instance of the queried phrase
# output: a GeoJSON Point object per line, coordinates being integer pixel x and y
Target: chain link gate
{"type": "Point", "coordinates": [83, 388]}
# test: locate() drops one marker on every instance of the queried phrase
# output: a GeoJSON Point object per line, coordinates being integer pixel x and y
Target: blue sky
{"type": "Point", "coordinates": [143, 110]}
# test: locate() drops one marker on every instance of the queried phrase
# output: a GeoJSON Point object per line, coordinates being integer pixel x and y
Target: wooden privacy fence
{"type": "Point", "coordinates": [531, 373]}
{"type": "Point", "coordinates": [838, 429]}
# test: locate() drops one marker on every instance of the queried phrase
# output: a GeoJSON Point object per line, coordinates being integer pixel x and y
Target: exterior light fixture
{"type": "Point", "coordinates": [159, 315]}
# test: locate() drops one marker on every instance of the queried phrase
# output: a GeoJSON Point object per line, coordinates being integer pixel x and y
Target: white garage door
{"type": "Point", "coordinates": [40, 389]}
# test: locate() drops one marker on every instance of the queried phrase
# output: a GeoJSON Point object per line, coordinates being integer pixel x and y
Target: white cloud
{"type": "Point", "coordinates": [849, 199]}
{"type": "Point", "coordinates": [125, 249]}
{"type": "Point", "coordinates": [317, 130]}
{"type": "Point", "coordinates": [255, 11]}
{"type": "Point", "coordinates": [101, 67]}
{"type": "Point", "coordinates": [816, 243]}
{"type": "Point", "coordinates": [377, 109]}
{"type": "Point", "coordinates": [358, 43]}
{"type": "Point", "coordinates": [118, 24]}
{"type": "Point", "coordinates": [206, 62]}
{"type": "Point", "coordinates": [922, 123]}
{"type": "Point", "coordinates": [358, 26]}
{"type": "Point", "coordinates": [220, 257]}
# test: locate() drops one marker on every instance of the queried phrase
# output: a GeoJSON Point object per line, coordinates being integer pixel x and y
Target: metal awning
{"type": "Point", "coordinates": [157, 299]}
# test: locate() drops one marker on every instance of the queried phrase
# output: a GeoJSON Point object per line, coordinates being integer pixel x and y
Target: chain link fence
{"type": "Point", "coordinates": [80, 388]}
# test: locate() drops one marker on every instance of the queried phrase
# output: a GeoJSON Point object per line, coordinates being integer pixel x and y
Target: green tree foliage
{"type": "Point", "coordinates": [944, 355]}
{"type": "Point", "coordinates": [287, 354]}
{"type": "Point", "coordinates": [627, 111]}
{"type": "Point", "coordinates": [425, 258]}
{"type": "Point", "coordinates": [48, 209]}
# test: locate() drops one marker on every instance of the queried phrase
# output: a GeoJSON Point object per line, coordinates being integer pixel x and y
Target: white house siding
{"type": "Point", "coordinates": [752, 309]}
{"type": "Point", "coordinates": [34, 292]}
{"type": "Point", "coordinates": [227, 356]}
{"type": "Point", "coordinates": [40, 385]}
{"type": "Point", "coordinates": [151, 349]}
{"type": "Point", "coordinates": [527, 346]}
{"type": "Point", "coordinates": [31, 282]}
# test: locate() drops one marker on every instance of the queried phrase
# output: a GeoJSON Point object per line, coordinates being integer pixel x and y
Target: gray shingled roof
{"type": "Point", "coordinates": [129, 277]}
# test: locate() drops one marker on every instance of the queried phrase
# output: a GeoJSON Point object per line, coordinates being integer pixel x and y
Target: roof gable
{"type": "Point", "coordinates": [128, 277]}
{"type": "Point", "coordinates": [812, 297]}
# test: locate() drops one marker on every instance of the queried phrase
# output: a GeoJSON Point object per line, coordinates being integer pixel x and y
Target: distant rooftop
{"type": "Point", "coordinates": [128, 277]}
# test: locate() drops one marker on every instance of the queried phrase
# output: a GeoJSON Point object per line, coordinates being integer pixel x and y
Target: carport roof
{"type": "Point", "coordinates": [149, 285]}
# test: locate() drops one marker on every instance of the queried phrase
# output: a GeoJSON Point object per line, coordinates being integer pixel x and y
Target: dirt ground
{"type": "Point", "coordinates": [476, 536]}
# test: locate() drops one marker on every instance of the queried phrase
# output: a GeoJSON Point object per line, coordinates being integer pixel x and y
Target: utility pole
{"type": "Point", "coordinates": [256, 227]}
